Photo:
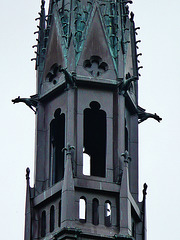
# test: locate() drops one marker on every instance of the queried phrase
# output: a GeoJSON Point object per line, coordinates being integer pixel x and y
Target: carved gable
{"type": "Point", "coordinates": [54, 59]}
{"type": "Point", "coordinates": [96, 61]}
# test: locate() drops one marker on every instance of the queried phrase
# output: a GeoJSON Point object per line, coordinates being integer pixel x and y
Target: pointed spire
{"type": "Point", "coordinates": [40, 42]}
{"type": "Point", "coordinates": [40, 33]}
{"type": "Point", "coordinates": [110, 16]}
{"type": "Point", "coordinates": [68, 191]}
{"type": "Point", "coordinates": [65, 12]}
{"type": "Point", "coordinates": [125, 204]}
{"type": "Point", "coordinates": [27, 234]}
{"type": "Point", "coordinates": [42, 25]}
{"type": "Point", "coordinates": [125, 177]}
{"type": "Point", "coordinates": [81, 16]}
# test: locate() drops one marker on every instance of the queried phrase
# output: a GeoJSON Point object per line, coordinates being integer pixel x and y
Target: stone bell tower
{"type": "Point", "coordinates": [86, 164]}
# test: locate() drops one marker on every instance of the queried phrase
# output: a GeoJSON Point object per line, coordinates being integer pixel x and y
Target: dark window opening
{"type": "Point", "coordinates": [95, 211]}
{"type": "Point", "coordinates": [126, 139]}
{"type": "Point", "coordinates": [82, 209]}
{"type": "Point", "coordinates": [107, 214]}
{"type": "Point", "coordinates": [95, 138]}
{"type": "Point", "coordinates": [59, 217]}
{"type": "Point", "coordinates": [52, 218]}
{"type": "Point", "coordinates": [134, 221]}
{"type": "Point", "coordinates": [57, 138]}
{"type": "Point", "coordinates": [133, 229]}
{"type": "Point", "coordinates": [43, 224]}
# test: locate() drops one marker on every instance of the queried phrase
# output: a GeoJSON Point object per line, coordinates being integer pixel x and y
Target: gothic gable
{"type": "Point", "coordinates": [55, 58]}
{"type": "Point", "coordinates": [96, 61]}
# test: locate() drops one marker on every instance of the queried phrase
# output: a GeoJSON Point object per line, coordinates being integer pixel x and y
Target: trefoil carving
{"type": "Point", "coordinates": [95, 66]}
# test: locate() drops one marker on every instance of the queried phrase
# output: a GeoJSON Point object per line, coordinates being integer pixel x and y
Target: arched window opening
{"type": "Point", "coordinates": [107, 214]}
{"type": "Point", "coordinates": [57, 139]}
{"type": "Point", "coordinates": [95, 212]}
{"type": "Point", "coordinates": [95, 138]}
{"type": "Point", "coordinates": [126, 139]}
{"type": "Point", "coordinates": [82, 210]}
{"type": "Point", "coordinates": [52, 218]}
{"type": "Point", "coordinates": [86, 164]}
{"type": "Point", "coordinates": [43, 224]}
{"type": "Point", "coordinates": [59, 217]}
{"type": "Point", "coordinates": [133, 229]}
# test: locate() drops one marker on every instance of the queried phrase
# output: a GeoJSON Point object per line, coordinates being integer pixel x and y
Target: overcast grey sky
{"type": "Point", "coordinates": [158, 92]}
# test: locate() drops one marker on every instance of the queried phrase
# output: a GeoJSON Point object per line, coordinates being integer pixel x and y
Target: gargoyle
{"type": "Point", "coordinates": [143, 115]}
{"type": "Point", "coordinates": [125, 84]}
{"type": "Point", "coordinates": [70, 79]}
{"type": "Point", "coordinates": [30, 102]}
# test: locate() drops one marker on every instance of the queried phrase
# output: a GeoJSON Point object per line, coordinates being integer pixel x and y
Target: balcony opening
{"type": "Point", "coordinates": [82, 209]}
{"type": "Point", "coordinates": [95, 138]}
{"type": "Point", "coordinates": [52, 218]}
{"type": "Point", "coordinates": [133, 229]}
{"type": "Point", "coordinates": [126, 139]}
{"type": "Point", "coordinates": [59, 217]}
{"type": "Point", "coordinates": [95, 212]}
{"type": "Point", "coordinates": [43, 224]}
{"type": "Point", "coordinates": [57, 139]}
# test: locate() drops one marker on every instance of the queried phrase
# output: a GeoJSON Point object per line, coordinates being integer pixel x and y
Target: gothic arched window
{"type": "Point", "coordinates": [57, 138]}
{"type": "Point", "coordinates": [95, 138]}
{"type": "Point", "coordinates": [107, 214]}
{"type": "Point", "coordinates": [59, 217]}
{"type": "Point", "coordinates": [95, 211]}
{"type": "Point", "coordinates": [43, 224]}
{"type": "Point", "coordinates": [126, 139]}
{"type": "Point", "coordinates": [52, 218]}
{"type": "Point", "coordinates": [133, 226]}
{"type": "Point", "coordinates": [82, 209]}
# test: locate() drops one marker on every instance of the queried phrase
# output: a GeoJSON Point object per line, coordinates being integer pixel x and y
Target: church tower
{"type": "Point", "coordinates": [87, 114]}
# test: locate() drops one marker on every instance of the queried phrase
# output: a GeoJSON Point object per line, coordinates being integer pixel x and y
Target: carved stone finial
{"type": "Point", "coordinates": [126, 156]}
{"type": "Point", "coordinates": [145, 189]}
{"type": "Point", "coordinates": [42, 4]}
{"type": "Point", "coordinates": [68, 149]}
{"type": "Point", "coordinates": [132, 16]}
{"type": "Point", "coordinates": [27, 173]}
{"type": "Point", "coordinates": [127, 9]}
